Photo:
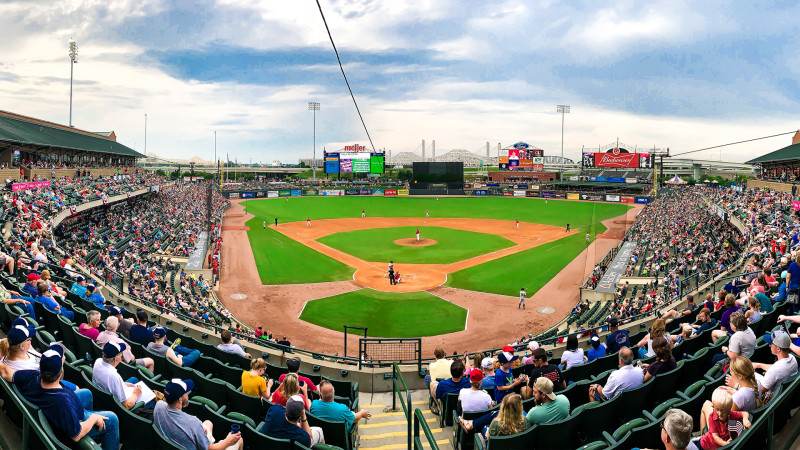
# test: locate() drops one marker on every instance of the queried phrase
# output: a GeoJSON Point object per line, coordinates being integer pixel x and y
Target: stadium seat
{"type": "Point", "coordinates": [335, 432]}
{"type": "Point", "coordinates": [86, 443]}
{"type": "Point", "coordinates": [253, 440]}
{"type": "Point", "coordinates": [248, 405]}
{"type": "Point", "coordinates": [135, 431]}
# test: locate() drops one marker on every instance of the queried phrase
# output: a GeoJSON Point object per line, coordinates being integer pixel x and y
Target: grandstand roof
{"type": "Point", "coordinates": [790, 152]}
{"type": "Point", "coordinates": [24, 130]}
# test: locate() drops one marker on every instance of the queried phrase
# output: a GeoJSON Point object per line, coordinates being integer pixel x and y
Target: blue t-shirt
{"type": "Point", "coordinates": [140, 334]}
{"type": "Point", "coordinates": [333, 411]}
{"type": "Point", "coordinates": [61, 406]}
{"type": "Point", "coordinates": [502, 378]}
{"type": "Point", "coordinates": [781, 296]}
{"type": "Point", "coordinates": [98, 299]}
{"type": "Point", "coordinates": [48, 302]}
{"type": "Point", "coordinates": [487, 383]}
{"type": "Point", "coordinates": [595, 353]}
{"type": "Point", "coordinates": [276, 425]}
{"type": "Point", "coordinates": [616, 340]}
{"type": "Point", "coordinates": [78, 290]}
{"type": "Point", "coordinates": [449, 386]}
{"type": "Point", "coordinates": [794, 271]}
{"type": "Point", "coordinates": [30, 290]}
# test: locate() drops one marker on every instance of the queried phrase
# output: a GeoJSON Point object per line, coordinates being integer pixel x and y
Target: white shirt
{"type": "Point", "coordinates": [106, 377]}
{"type": "Point", "coordinates": [778, 372]}
{"type": "Point", "coordinates": [522, 295]}
{"type": "Point", "coordinates": [572, 357]}
{"type": "Point", "coordinates": [472, 401]}
{"type": "Point", "coordinates": [623, 379]}
{"type": "Point", "coordinates": [31, 363]}
{"type": "Point", "coordinates": [236, 349]}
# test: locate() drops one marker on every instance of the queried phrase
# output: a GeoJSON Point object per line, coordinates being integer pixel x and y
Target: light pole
{"type": "Point", "coordinates": [563, 109]}
{"type": "Point", "coordinates": [314, 107]}
{"type": "Point", "coordinates": [73, 58]}
{"type": "Point", "coordinates": [145, 134]}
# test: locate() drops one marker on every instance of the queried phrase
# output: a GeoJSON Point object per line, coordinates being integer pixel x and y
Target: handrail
{"type": "Point", "coordinates": [405, 403]}
{"type": "Point", "coordinates": [420, 422]}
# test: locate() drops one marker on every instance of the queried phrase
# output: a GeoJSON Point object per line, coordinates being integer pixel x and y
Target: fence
{"type": "Point", "coordinates": [383, 351]}
{"type": "Point", "coordinates": [420, 423]}
{"type": "Point", "coordinates": [400, 391]}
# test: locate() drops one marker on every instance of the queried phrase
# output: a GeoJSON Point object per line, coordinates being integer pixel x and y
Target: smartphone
{"type": "Point", "coordinates": [234, 428]}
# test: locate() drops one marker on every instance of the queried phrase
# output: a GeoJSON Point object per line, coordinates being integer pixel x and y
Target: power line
{"type": "Point", "coordinates": [345, 76]}
{"type": "Point", "coordinates": [734, 143]}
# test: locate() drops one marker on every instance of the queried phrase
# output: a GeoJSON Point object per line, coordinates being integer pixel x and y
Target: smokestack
{"type": "Point", "coordinates": [487, 149]}
{"type": "Point", "coordinates": [433, 150]}
{"type": "Point", "coordinates": [423, 149]}
{"type": "Point", "coordinates": [796, 138]}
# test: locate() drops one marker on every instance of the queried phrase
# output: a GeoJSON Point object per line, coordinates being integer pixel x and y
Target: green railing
{"type": "Point", "coordinates": [400, 391]}
{"type": "Point", "coordinates": [419, 422]}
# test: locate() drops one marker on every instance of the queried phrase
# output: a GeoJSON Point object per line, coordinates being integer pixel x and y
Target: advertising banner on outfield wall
{"type": "Point", "coordinates": [365, 191]}
{"type": "Point", "coordinates": [547, 194]}
{"type": "Point", "coordinates": [310, 192]}
{"type": "Point", "coordinates": [352, 191]}
{"type": "Point", "coordinates": [592, 197]}
{"type": "Point", "coordinates": [627, 199]}
{"type": "Point", "coordinates": [559, 194]}
{"type": "Point", "coordinates": [480, 192]}
{"type": "Point", "coordinates": [615, 180]}
{"type": "Point", "coordinates": [508, 193]}
{"type": "Point", "coordinates": [233, 195]}
{"type": "Point", "coordinates": [631, 180]}
{"type": "Point", "coordinates": [296, 192]}
{"type": "Point", "coordinates": [260, 194]}
{"type": "Point", "coordinates": [377, 192]}
{"type": "Point", "coordinates": [272, 194]}
{"type": "Point", "coordinates": [573, 196]}
{"type": "Point", "coordinates": [331, 192]}
{"type": "Point", "coordinates": [248, 194]}
{"type": "Point", "coordinates": [612, 198]}
{"type": "Point", "coordinates": [402, 192]}
{"type": "Point", "coordinates": [390, 192]}
{"type": "Point", "coordinates": [519, 193]}
{"type": "Point", "coordinates": [642, 200]}
{"type": "Point", "coordinates": [284, 193]}
{"type": "Point", "coordinates": [531, 193]}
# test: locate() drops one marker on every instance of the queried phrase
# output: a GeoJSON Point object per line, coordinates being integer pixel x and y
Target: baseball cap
{"type": "Point", "coordinates": [487, 363]}
{"type": "Point", "coordinates": [176, 388]}
{"type": "Point", "coordinates": [508, 349]}
{"type": "Point", "coordinates": [52, 359]}
{"type": "Point", "coordinates": [475, 375]}
{"type": "Point", "coordinates": [112, 349]}
{"type": "Point", "coordinates": [506, 357]}
{"type": "Point", "coordinates": [294, 408]}
{"type": "Point", "coordinates": [781, 339]}
{"type": "Point", "coordinates": [20, 331]}
{"type": "Point", "coordinates": [533, 345]}
{"type": "Point", "coordinates": [545, 386]}
{"type": "Point", "coordinates": [159, 332]}
{"type": "Point", "coordinates": [293, 364]}
{"type": "Point", "coordinates": [79, 279]}
{"type": "Point", "coordinates": [594, 338]}
{"type": "Point", "coordinates": [33, 276]}
{"type": "Point", "coordinates": [90, 287]}
{"type": "Point", "coordinates": [114, 311]}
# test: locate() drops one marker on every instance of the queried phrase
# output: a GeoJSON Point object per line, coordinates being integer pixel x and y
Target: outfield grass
{"type": "Point", "coordinates": [530, 269]}
{"type": "Point", "coordinates": [387, 314]}
{"type": "Point", "coordinates": [282, 260]}
{"type": "Point", "coordinates": [452, 245]}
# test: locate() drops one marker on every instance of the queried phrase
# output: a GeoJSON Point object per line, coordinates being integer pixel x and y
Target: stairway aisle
{"type": "Point", "coordinates": [387, 429]}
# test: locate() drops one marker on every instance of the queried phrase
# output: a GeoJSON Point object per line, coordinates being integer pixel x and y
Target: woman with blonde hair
{"type": "Point", "coordinates": [54, 288]}
{"type": "Point", "coordinates": [741, 385]}
{"type": "Point", "coordinates": [658, 329]}
{"type": "Point", "coordinates": [753, 314]}
{"type": "Point", "coordinates": [16, 349]}
{"type": "Point", "coordinates": [289, 387]}
{"type": "Point", "coordinates": [510, 419]}
{"type": "Point", "coordinates": [253, 381]}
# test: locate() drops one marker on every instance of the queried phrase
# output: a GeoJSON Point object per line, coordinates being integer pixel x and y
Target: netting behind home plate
{"type": "Point", "coordinates": [380, 351]}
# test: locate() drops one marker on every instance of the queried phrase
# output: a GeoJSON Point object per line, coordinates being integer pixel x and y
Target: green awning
{"type": "Point", "coordinates": [789, 153]}
{"type": "Point", "coordinates": [17, 130]}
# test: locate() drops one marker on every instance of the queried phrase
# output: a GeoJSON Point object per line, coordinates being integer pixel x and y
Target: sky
{"type": "Point", "coordinates": [672, 74]}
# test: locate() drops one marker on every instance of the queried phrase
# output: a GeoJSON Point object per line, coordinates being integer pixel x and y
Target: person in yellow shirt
{"type": "Point", "coordinates": [253, 381]}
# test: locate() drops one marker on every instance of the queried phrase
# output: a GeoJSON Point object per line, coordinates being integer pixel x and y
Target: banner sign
{"type": "Point", "coordinates": [592, 197]}
{"type": "Point", "coordinates": [573, 196]}
{"type": "Point", "coordinates": [248, 194]}
{"type": "Point", "coordinates": [615, 270]}
{"type": "Point", "coordinates": [626, 199]}
{"type": "Point", "coordinates": [531, 193]}
{"type": "Point", "coordinates": [615, 180]}
{"type": "Point", "coordinates": [310, 192]}
{"type": "Point", "coordinates": [272, 194]}
{"type": "Point", "coordinates": [642, 200]}
{"type": "Point", "coordinates": [480, 192]}
{"type": "Point", "coordinates": [352, 191]}
{"type": "Point", "coordinates": [331, 192]}
{"type": "Point", "coordinates": [260, 194]}
{"type": "Point", "coordinates": [547, 194]}
{"type": "Point", "coordinates": [24, 186]}
{"type": "Point", "coordinates": [377, 192]}
{"type": "Point", "coordinates": [612, 198]}
{"type": "Point", "coordinates": [402, 192]}
{"type": "Point", "coordinates": [507, 193]}
{"type": "Point", "coordinates": [559, 194]}
{"type": "Point", "coordinates": [518, 193]}
{"type": "Point", "coordinates": [631, 180]}
{"type": "Point", "coordinates": [233, 195]}
{"type": "Point", "coordinates": [389, 192]}
{"type": "Point", "coordinates": [364, 191]}
{"type": "Point", "coordinates": [284, 193]}
{"type": "Point", "coordinates": [617, 158]}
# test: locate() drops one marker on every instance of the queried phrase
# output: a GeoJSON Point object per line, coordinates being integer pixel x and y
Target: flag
{"type": "Point", "coordinates": [735, 428]}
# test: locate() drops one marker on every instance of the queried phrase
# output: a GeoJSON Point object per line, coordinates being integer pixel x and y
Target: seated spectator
{"type": "Point", "coordinates": [79, 287]}
{"type": "Point", "coordinates": [664, 360]}
{"type": "Point", "coordinates": [616, 338]}
{"type": "Point", "coordinates": [327, 408]}
{"type": "Point", "coordinates": [440, 368]}
{"type": "Point", "coordinates": [573, 355]}
{"type": "Point", "coordinates": [725, 321]}
{"type": "Point", "coordinates": [45, 298]}
{"type": "Point", "coordinates": [228, 346]}
{"type": "Point", "coordinates": [741, 385]}
{"type": "Point", "coordinates": [504, 381]}
{"type": "Point", "coordinates": [509, 419]}
{"type": "Point", "coordinates": [253, 381]}
{"type": "Point", "coordinates": [784, 368]}
{"type": "Point", "coordinates": [15, 298]}
{"type": "Point", "coordinates": [474, 398]}
{"type": "Point", "coordinates": [186, 430]}
{"type": "Point", "coordinates": [718, 434]}
{"type": "Point", "coordinates": [289, 422]}
{"type": "Point", "coordinates": [68, 411]}
{"type": "Point", "coordinates": [95, 296]}
{"type": "Point", "coordinates": [753, 313]}
{"type": "Point", "coordinates": [597, 350]}
{"type": "Point", "coordinates": [185, 359]}
{"type": "Point", "coordinates": [91, 328]}
{"type": "Point", "coordinates": [764, 302]}
{"type": "Point", "coordinates": [293, 366]}
{"type": "Point", "coordinates": [687, 332]}
{"type": "Point", "coordinates": [657, 330]}
{"type": "Point", "coordinates": [676, 431]}
{"type": "Point", "coordinates": [528, 359]}
{"type": "Point", "coordinates": [454, 384]}
{"type": "Point", "coordinates": [139, 332]}
{"type": "Point", "coordinates": [124, 325]}
{"type": "Point", "coordinates": [110, 335]}
{"type": "Point", "coordinates": [290, 387]}
{"type": "Point", "coordinates": [542, 368]}
{"type": "Point", "coordinates": [16, 349]}
{"type": "Point", "coordinates": [30, 287]}
{"type": "Point", "coordinates": [487, 365]}
{"type": "Point", "coordinates": [625, 378]}
{"type": "Point", "coordinates": [743, 340]}
{"type": "Point", "coordinates": [54, 288]}
{"type": "Point", "coordinates": [106, 377]}
{"type": "Point", "coordinates": [549, 406]}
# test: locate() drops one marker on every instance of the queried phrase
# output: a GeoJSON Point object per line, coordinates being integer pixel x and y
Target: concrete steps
{"type": "Point", "coordinates": [387, 429]}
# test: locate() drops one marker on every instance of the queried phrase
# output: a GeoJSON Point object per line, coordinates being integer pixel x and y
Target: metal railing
{"type": "Point", "coordinates": [420, 423]}
{"type": "Point", "coordinates": [400, 391]}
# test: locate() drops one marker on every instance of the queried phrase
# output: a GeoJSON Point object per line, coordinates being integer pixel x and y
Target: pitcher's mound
{"type": "Point", "coordinates": [413, 242]}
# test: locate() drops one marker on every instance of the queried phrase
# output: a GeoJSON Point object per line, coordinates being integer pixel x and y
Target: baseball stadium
{"type": "Point", "coordinates": [618, 296]}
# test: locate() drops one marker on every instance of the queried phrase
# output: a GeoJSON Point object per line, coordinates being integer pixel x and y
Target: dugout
{"type": "Point", "coordinates": [437, 178]}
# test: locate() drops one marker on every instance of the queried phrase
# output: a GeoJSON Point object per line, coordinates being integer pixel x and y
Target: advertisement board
{"type": "Point", "coordinates": [260, 194]}
{"type": "Point", "coordinates": [547, 194]}
{"type": "Point", "coordinates": [591, 196]}
{"type": "Point", "coordinates": [296, 192]}
{"type": "Point", "coordinates": [352, 191]}
{"type": "Point", "coordinates": [331, 192]}
{"type": "Point", "coordinates": [615, 180]}
{"type": "Point", "coordinates": [480, 192]}
{"type": "Point", "coordinates": [573, 196]}
{"type": "Point", "coordinates": [631, 180]}
{"type": "Point", "coordinates": [364, 191]}
{"type": "Point", "coordinates": [390, 192]}
{"type": "Point", "coordinates": [248, 194]}
{"type": "Point", "coordinates": [531, 193]}
{"type": "Point", "coordinates": [518, 193]}
{"type": "Point", "coordinates": [402, 192]}
{"type": "Point", "coordinates": [377, 192]}
{"type": "Point", "coordinates": [272, 194]}
{"type": "Point", "coordinates": [354, 159]}
{"type": "Point", "coordinates": [627, 199]}
{"type": "Point", "coordinates": [233, 195]}
{"type": "Point", "coordinates": [612, 198]}
{"type": "Point", "coordinates": [284, 193]}
{"type": "Point", "coordinates": [521, 156]}
{"type": "Point", "coordinates": [310, 192]}
{"type": "Point", "coordinates": [642, 200]}
{"type": "Point", "coordinates": [617, 158]}
{"type": "Point", "coordinates": [560, 194]}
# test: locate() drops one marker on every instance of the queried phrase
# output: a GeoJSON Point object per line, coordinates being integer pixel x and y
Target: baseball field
{"type": "Point", "coordinates": [334, 261]}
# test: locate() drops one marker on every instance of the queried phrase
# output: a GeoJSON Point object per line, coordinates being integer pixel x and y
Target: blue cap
{"type": "Point", "coordinates": [176, 388]}
{"type": "Point", "coordinates": [52, 359]}
{"type": "Point", "coordinates": [20, 331]}
{"type": "Point", "coordinates": [159, 332]}
{"type": "Point", "coordinates": [112, 349]}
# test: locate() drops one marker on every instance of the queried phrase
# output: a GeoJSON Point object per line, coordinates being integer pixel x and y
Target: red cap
{"type": "Point", "coordinates": [508, 349]}
{"type": "Point", "coordinates": [475, 375]}
{"type": "Point", "coordinates": [33, 276]}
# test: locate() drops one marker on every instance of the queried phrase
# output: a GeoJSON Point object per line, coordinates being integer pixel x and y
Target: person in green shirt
{"type": "Point", "coordinates": [549, 407]}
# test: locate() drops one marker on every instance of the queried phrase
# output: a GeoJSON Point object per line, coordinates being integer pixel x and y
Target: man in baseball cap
{"type": "Point", "coordinates": [185, 430]}
{"type": "Point", "coordinates": [504, 380]}
{"type": "Point", "coordinates": [290, 422]}
{"type": "Point", "coordinates": [65, 408]}
{"type": "Point", "coordinates": [549, 406]}
{"type": "Point", "coordinates": [784, 368]}
{"type": "Point", "coordinates": [79, 287]}
{"type": "Point", "coordinates": [105, 375]}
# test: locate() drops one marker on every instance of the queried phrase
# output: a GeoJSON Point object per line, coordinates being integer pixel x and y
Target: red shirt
{"type": "Point", "coordinates": [311, 386]}
{"type": "Point", "coordinates": [715, 425]}
{"type": "Point", "coordinates": [277, 398]}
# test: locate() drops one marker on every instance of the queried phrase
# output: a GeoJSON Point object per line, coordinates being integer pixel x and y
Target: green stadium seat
{"type": "Point", "coordinates": [335, 432]}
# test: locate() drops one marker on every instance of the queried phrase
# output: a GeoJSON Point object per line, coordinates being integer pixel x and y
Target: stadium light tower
{"type": "Point", "coordinates": [563, 109]}
{"type": "Point", "coordinates": [314, 107]}
{"type": "Point", "coordinates": [73, 58]}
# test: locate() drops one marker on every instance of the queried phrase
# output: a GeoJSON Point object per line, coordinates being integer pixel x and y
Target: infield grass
{"type": "Point", "coordinates": [387, 314]}
{"type": "Point", "coordinates": [451, 245]}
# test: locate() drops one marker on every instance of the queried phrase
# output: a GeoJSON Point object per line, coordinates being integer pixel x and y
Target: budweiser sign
{"type": "Point", "coordinates": [616, 159]}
